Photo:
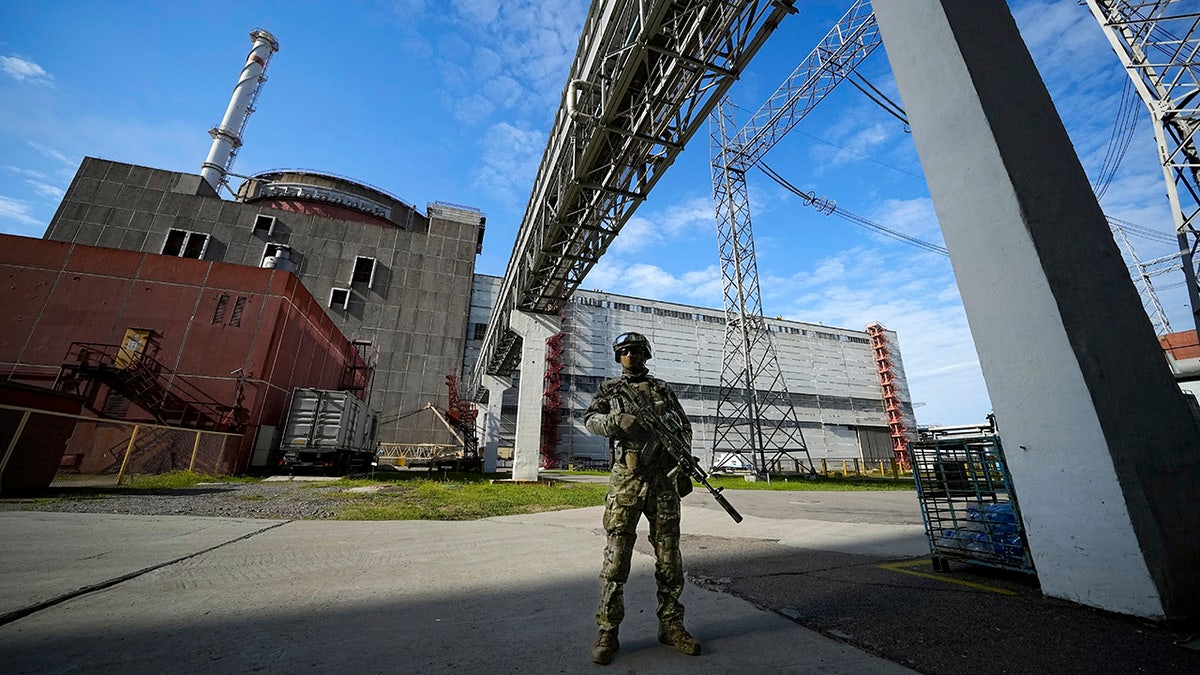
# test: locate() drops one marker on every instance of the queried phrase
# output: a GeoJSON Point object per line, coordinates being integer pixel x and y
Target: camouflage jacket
{"type": "Point", "coordinates": [601, 415]}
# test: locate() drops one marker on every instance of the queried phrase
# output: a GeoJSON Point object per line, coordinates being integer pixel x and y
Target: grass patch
{"type": "Point", "coordinates": [800, 483]}
{"type": "Point", "coordinates": [181, 479]}
{"type": "Point", "coordinates": [426, 499]}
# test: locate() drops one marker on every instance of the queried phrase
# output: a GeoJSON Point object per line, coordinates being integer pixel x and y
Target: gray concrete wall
{"type": "Point", "coordinates": [1104, 454]}
{"type": "Point", "coordinates": [415, 313]}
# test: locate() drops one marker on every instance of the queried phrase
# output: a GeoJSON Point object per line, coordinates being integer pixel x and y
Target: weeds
{"type": "Point", "coordinates": [425, 499]}
{"type": "Point", "coordinates": [802, 483]}
{"type": "Point", "coordinates": [181, 479]}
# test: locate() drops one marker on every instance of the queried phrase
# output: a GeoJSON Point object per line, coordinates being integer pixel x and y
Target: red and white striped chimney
{"type": "Point", "coordinates": [227, 137]}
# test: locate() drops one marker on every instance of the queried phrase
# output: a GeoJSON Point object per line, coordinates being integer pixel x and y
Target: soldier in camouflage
{"type": "Point", "coordinates": [638, 485]}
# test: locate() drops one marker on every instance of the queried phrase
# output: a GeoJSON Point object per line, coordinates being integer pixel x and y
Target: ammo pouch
{"type": "Point", "coordinates": [684, 483]}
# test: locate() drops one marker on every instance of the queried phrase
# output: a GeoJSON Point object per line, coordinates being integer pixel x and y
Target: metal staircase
{"type": "Point", "coordinates": [147, 383]}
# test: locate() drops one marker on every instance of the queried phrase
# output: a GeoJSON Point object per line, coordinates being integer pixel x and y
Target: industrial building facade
{"type": "Point", "coordinates": [832, 374]}
{"type": "Point", "coordinates": [400, 285]}
{"type": "Point", "coordinates": [395, 281]}
{"type": "Point", "coordinates": [179, 342]}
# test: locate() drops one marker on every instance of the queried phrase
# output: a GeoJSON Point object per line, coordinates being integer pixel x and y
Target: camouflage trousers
{"type": "Point", "coordinates": [629, 497]}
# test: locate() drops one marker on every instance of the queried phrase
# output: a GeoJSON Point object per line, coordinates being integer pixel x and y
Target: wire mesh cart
{"type": "Point", "coordinates": [967, 500]}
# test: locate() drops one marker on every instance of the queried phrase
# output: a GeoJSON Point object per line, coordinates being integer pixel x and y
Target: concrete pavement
{"type": "Point", "coordinates": [804, 577]}
{"type": "Point", "coordinates": [136, 594]}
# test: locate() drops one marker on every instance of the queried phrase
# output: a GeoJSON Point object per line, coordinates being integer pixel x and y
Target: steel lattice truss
{"type": "Point", "coordinates": [1158, 44]}
{"type": "Point", "coordinates": [646, 75]}
{"type": "Point", "coordinates": [1141, 273]}
{"type": "Point", "coordinates": [756, 420]}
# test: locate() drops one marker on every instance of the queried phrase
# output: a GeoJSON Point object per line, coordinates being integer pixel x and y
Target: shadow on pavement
{"type": "Point", "coordinates": [971, 619]}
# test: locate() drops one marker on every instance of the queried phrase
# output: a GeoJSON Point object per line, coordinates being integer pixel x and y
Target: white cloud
{"type": "Point", "coordinates": [479, 11]}
{"type": "Point", "coordinates": [914, 217]}
{"type": "Point", "coordinates": [52, 153]}
{"type": "Point", "coordinates": [912, 293]}
{"type": "Point", "coordinates": [509, 161]}
{"type": "Point", "coordinates": [516, 54]}
{"type": "Point", "coordinates": [680, 219]}
{"type": "Point", "coordinates": [24, 70]}
{"type": "Point", "coordinates": [866, 139]}
{"type": "Point", "coordinates": [473, 109]}
{"type": "Point", "coordinates": [27, 173]}
{"type": "Point", "coordinates": [46, 189]}
{"type": "Point", "coordinates": [697, 287]}
{"type": "Point", "coordinates": [17, 210]}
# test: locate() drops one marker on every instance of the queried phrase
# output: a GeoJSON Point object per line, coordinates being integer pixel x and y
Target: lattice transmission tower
{"type": "Point", "coordinates": [756, 420]}
{"type": "Point", "coordinates": [1158, 44]}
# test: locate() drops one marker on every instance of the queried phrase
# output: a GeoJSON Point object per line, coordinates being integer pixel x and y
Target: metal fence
{"type": "Point", "coordinates": [864, 468]}
{"type": "Point", "coordinates": [115, 447]}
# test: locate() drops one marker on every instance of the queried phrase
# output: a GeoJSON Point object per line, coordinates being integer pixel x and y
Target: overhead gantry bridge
{"type": "Point", "coordinates": [646, 76]}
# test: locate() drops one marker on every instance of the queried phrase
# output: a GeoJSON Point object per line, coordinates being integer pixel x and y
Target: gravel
{"type": "Point", "coordinates": [272, 500]}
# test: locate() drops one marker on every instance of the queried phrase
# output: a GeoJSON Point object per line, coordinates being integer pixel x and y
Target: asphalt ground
{"type": "Point", "coordinates": [809, 582]}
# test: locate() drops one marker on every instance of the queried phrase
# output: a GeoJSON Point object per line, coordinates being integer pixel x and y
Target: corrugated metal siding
{"type": "Point", "coordinates": [830, 372]}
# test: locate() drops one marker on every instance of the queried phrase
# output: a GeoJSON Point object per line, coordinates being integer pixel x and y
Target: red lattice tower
{"type": "Point", "coordinates": [891, 400]}
{"type": "Point", "coordinates": [551, 401]}
{"type": "Point", "coordinates": [462, 414]}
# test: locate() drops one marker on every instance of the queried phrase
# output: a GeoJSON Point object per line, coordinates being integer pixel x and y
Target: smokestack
{"type": "Point", "coordinates": [227, 137]}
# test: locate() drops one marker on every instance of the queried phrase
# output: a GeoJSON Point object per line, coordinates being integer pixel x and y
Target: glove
{"type": "Point", "coordinates": [629, 427]}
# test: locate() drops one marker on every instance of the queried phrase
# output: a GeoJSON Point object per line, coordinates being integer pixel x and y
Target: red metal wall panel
{"type": "Point", "coordinates": [1181, 345]}
{"type": "Point", "coordinates": [268, 325]}
{"type": "Point", "coordinates": [37, 252]}
{"type": "Point", "coordinates": [104, 261]}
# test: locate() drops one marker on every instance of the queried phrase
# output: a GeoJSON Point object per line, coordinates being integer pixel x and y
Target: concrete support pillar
{"type": "Point", "coordinates": [496, 387]}
{"type": "Point", "coordinates": [534, 330]}
{"type": "Point", "coordinates": [1104, 454]}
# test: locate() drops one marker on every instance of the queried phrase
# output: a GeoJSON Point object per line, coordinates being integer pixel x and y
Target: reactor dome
{"type": "Point", "coordinates": [323, 194]}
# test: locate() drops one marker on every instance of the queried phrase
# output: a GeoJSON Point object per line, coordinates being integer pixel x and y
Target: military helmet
{"type": "Point", "coordinates": [627, 340]}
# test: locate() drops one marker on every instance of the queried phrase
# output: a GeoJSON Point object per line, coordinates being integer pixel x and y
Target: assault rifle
{"type": "Point", "coordinates": [667, 433]}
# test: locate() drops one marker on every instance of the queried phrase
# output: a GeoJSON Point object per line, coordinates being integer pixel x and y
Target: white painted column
{"type": "Point", "coordinates": [534, 330]}
{"type": "Point", "coordinates": [496, 387]}
{"type": "Point", "coordinates": [1102, 448]}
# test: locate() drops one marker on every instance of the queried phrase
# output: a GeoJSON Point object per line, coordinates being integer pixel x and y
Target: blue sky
{"type": "Point", "coordinates": [452, 100]}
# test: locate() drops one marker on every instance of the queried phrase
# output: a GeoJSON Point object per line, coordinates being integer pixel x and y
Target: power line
{"type": "Point", "coordinates": [880, 99]}
{"type": "Point", "coordinates": [856, 153]}
{"type": "Point", "coordinates": [1141, 231]}
{"type": "Point", "coordinates": [829, 206]}
{"type": "Point", "coordinates": [1118, 142]}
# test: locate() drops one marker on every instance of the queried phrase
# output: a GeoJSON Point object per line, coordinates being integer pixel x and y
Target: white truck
{"type": "Point", "coordinates": [331, 432]}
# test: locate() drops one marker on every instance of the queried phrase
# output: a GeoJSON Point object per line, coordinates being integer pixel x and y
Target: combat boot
{"type": "Point", "coordinates": [606, 645]}
{"type": "Point", "coordinates": [678, 637]}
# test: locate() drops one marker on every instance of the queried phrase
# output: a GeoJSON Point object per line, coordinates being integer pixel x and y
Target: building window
{"type": "Point", "coordinates": [339, 297]}
{"type": "Point", "coordinates": [264, 225]}
{"type": "Point", "coordinates": [184, 244]}
{"type": "Point", "coordinates": [219, 312]}
{"type": "Point", "coordinates": [480, 331]}
{"type": "Point", "coordinates": [364, 271]}
{"type": "Point", "coordinates": [235, 319]}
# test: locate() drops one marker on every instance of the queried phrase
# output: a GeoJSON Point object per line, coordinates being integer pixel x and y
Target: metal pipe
{"type": "Point", "coordinates": [227, 136]}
